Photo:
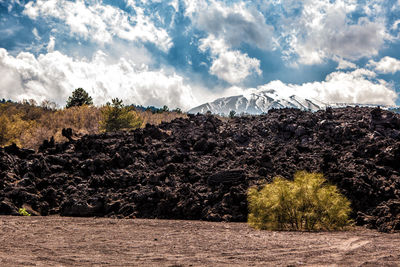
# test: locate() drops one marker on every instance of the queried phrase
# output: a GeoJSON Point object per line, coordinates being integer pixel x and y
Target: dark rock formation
{"type": "Point", "coordinates": [201, 167]}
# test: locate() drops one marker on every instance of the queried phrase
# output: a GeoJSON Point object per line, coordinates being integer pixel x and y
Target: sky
{"type": "Point", "coordinates": [183, 53]}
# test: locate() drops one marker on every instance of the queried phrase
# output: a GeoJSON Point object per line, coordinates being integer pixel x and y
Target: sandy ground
{"type": "Point", "coordinates": [61, 241]}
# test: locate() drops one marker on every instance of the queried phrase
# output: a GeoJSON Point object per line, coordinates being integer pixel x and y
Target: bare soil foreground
{"type": "Point", "coordinates": [65, 241]}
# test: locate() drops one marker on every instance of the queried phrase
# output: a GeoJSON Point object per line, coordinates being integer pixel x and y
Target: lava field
{"type": "Point", "coordinates": [201, 167]}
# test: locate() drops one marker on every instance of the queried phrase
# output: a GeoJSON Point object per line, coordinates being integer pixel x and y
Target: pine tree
{"type": "Point", "coordinates": [79, 98]}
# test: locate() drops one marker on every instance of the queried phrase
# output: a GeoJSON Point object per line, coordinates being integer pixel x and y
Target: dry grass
{"type": "Point", "coordinates": [157, 118]}
{"type": "Point", "coordinates": [28, 125]}
{"type": "Point", "coordinates": [82, 120]}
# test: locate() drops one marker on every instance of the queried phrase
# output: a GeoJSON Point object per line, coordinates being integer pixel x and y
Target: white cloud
{"type": "Point", "coordinates": [324, 31]}
{"type": "Point", "coordinates": [396, 24]}
{"type": "Point", "coordinates": [36, 34]}
{"type": "Point", "coordinates": [234, 67]}
{"type": "Point", "coordinates": [344, 64]}
{"type": "Point", "coordinates": [175, 5]}
{"type": "Point", "coordinates": [100, 22]}
{"type": "Point", "coordinates": [54, 76]}
{"type": "Point", "coordinates": [52, 44]}
{"type": "Point", "coordinates": [386, 65]}
{"type": "Point", "coordinates": [10, 3]}
{"type": "Point", "coordinates": [235, 24]}
{"type": "Point", "coordinates": [359, 86]}
{"type": "Point", "coordinates": [231, 66]}
{"type": "Point", "coordinates": [31, 11]}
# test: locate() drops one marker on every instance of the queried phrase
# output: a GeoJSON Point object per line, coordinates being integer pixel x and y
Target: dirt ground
{"type": "Point", "coordinates": [63, 241]}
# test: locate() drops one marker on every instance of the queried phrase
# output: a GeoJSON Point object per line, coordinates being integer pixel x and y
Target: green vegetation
{"type": "Point", "coordinates": [178, 110]}
{"type": "Point", "coordinates": [23, 212]}
{"type": "Point", "coordinates": [79, 98]}
{"type": "Point", "coordinates": [165, 108]}
{"type": "Point", "coordinates": [116, 116]}
{"type": "Point", "coordinates": [307, 203]}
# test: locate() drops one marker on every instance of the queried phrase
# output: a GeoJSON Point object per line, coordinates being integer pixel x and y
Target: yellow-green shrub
{"type": "Point", "coordinates": [307, 203]}
{"type": "Point", "coordinates": [116, 117]}
{"type": "Point", "coordinates": [23, 212]}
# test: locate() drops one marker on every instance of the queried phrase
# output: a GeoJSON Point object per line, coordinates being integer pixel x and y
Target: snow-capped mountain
{"type": "Point", "coordinates": [257, 103]}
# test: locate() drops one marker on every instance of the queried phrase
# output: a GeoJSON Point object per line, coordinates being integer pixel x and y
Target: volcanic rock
{"type": "Point", "coordinates": [201, 167]}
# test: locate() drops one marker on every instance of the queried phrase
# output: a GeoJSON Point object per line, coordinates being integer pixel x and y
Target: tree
{"type": "Point", "coordinates": [116, 116]}
{"type": "Point", "coordinates": [79, 98]}
{"type": "Point", "coordinates": [232, 114]}
{"type": "Point", "coordinates": [165, 108]}
{"type": "Point", "coordinates": [178, 110]}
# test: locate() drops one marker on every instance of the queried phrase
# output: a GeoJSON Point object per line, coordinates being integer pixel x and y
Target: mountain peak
{"type": "Point", "coordinates": [257, 103]}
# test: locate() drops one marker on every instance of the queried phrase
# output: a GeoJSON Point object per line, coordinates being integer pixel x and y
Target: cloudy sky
{"type": "Point", "coordinates": [182, 53]}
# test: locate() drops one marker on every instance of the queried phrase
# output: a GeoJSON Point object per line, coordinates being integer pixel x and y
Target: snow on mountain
{"type": "Point", "coordinates": [257, 103]}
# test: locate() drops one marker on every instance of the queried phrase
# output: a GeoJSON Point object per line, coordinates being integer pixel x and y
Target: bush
{"type": "Point", "coordinates": [79, 98]}
{"type": "Point", "coordinates": [307, 203]}
{"type": "Point", "coordinates": [23, 212]}
{"type": "Point", "coordinates": [116, 116]}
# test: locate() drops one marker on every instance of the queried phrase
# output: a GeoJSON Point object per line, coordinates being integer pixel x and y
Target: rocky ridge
{"type": "Point", "coordinates": [201, 167]}
{"type": "Point", "coordinates": [257, 103]}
